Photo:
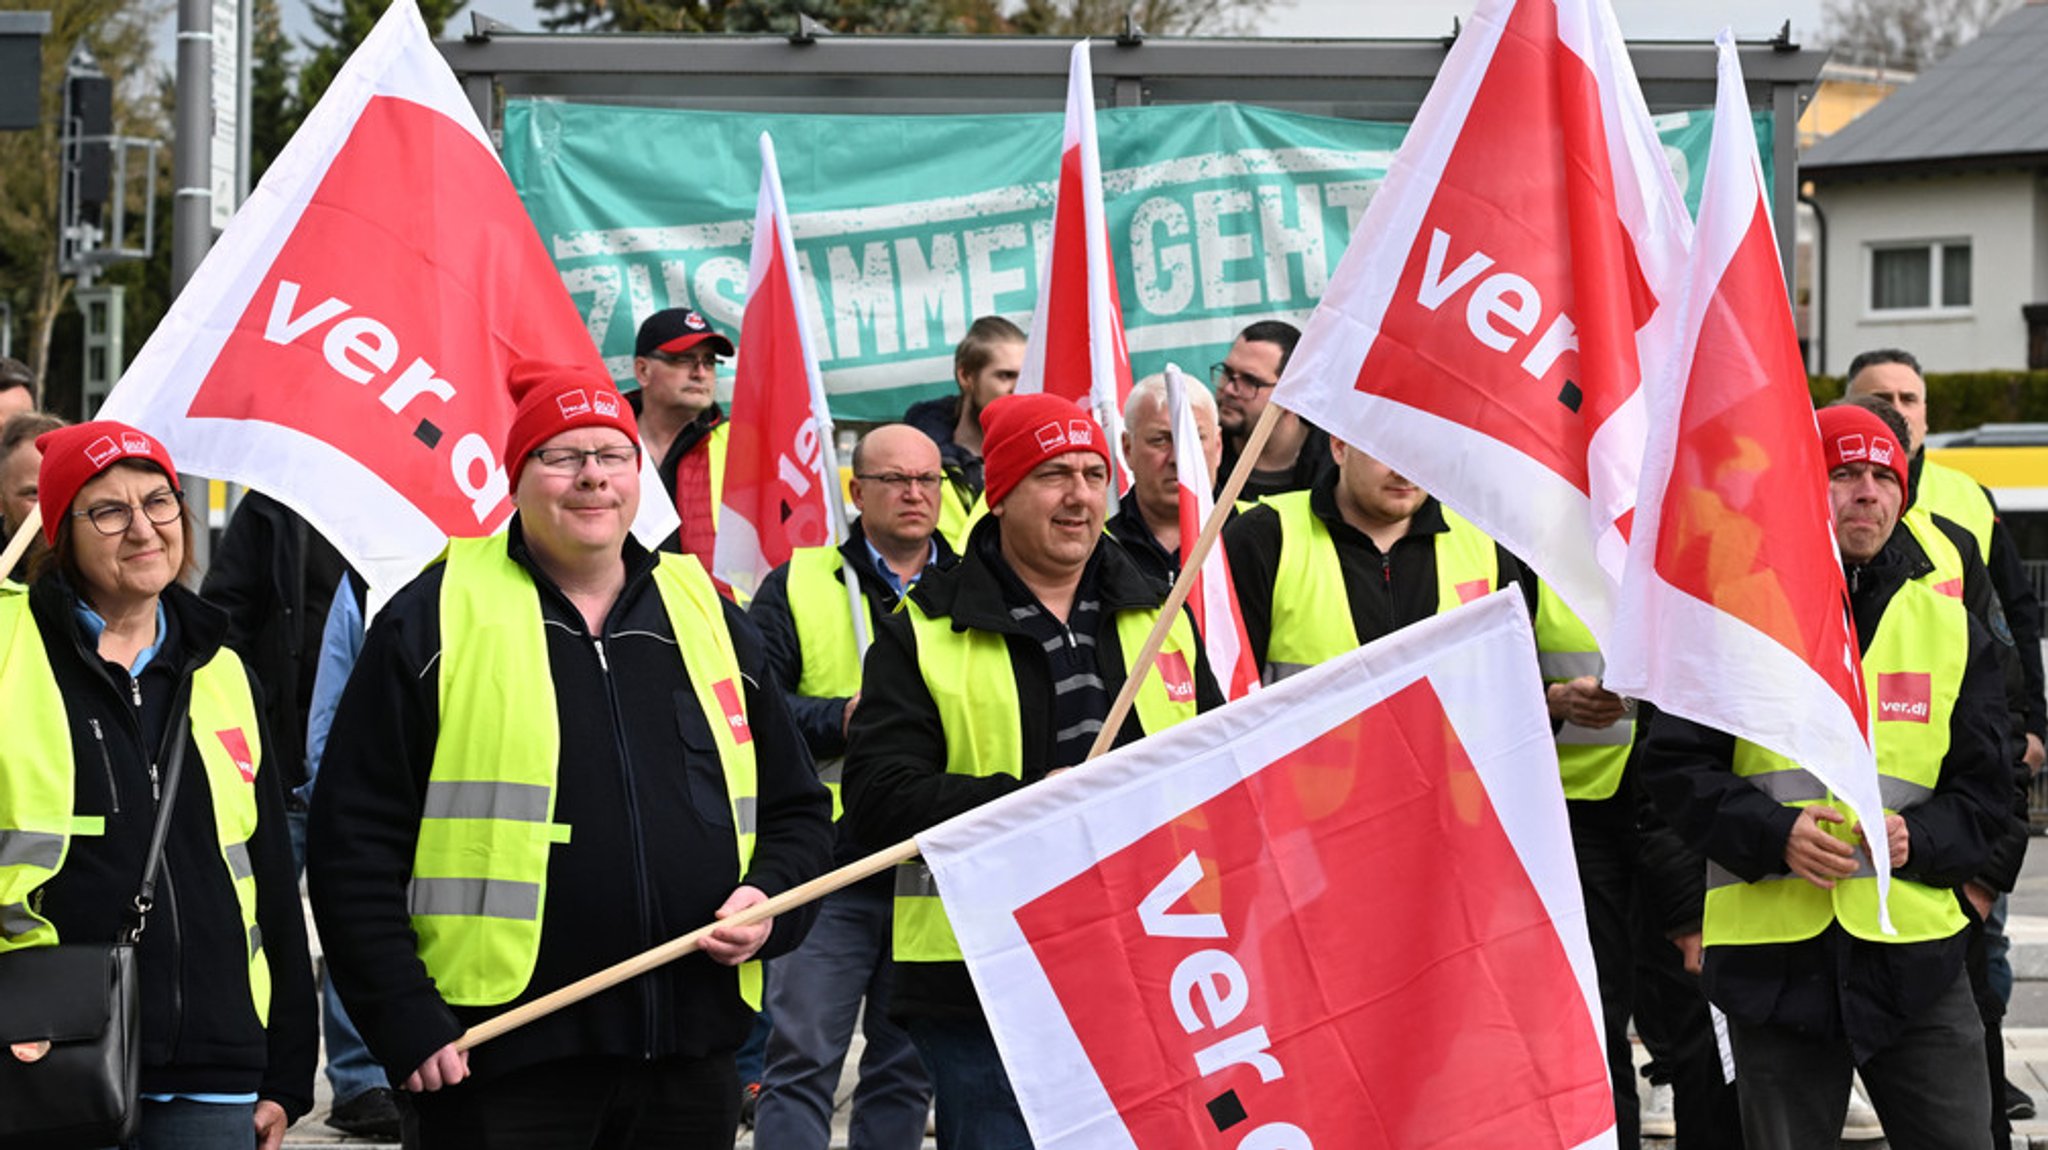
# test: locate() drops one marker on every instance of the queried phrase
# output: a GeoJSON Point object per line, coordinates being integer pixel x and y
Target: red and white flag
{"type": "Point", "coordinates": [781, 471]}
{"type": "Point", "coordinates": [1213, 599]}
{"type": "Point", "coordinates": [1511, 285]}
{"type": "Point", "coordinates": [344, 346]}
{"type": "Point", "coordinates": [1734, 612]}
{"type": "Point", "coordinates": [1341, 913]}
{"type": "Point", "coordinates": [1075, 348]}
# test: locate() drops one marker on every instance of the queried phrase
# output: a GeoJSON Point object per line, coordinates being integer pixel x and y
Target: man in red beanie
{"type": "Point", "coordinates": [1794, 955]}
{"type": "Point", "coordinates": [557, 751]}
{"type": "Point", "coordinates": [994, 674]}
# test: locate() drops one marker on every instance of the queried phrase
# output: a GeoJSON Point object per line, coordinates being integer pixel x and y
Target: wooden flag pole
{"type": "Point", "coordinates": [18, 545]}
{"type": "Point", "coordinates": [1190, 569]}
{"type": "Point", "coordinates": [853, 872]}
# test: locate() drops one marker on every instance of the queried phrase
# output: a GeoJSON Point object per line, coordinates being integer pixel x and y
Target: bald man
{"type": "Point", "coordinates": [815, 993]}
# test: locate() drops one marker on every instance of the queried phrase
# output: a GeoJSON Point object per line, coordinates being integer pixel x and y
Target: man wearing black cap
{"type": "Point", "coordinates": [675, 360]}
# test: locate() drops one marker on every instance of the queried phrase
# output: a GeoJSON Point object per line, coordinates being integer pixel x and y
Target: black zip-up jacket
{"type": "Point", "coordinates": [896, 779]}
{"type": "Point", "coordinates": [1385, 591]}
{"type": "Point", "coordinates": [1312, 465]}
{"type": "Point", "coordinates": [1835, 985]}
{"type": "Point", "coordinates": [275, 577]}
{"type": "Point", "coordinates": [937, 418]}
{"type": "Point", "coordinates": [200, 1033]}
{"type": "Point", "coordinates": [651, 853]}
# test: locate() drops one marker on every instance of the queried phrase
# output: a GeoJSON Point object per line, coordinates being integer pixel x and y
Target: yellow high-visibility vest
{"type": "Point", "coordinates": [1590, 760]}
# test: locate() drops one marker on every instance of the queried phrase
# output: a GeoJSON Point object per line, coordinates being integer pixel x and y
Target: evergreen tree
{"type": "Point", "coordinates": [342, 27]}
{"type": "Point", "coordinates": [274, 108]}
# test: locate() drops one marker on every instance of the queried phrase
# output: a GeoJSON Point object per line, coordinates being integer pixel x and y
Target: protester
{"type": "Point", "coordinates": [120, 659]}
{"type": "Point", "coordinates": [985, 367]}
{"type": "Point", "coordinates": [1363, 538]}
{"type": "Point", "coordinates": [17, 388]}
{"type": "Point", "coordinates": [276, 577]}
{"type": "Point", "coordinates": [817, 991]}
{"type": "Point", "coordinates": [20, 461]}
{"type": "Point", "coordinates": [1147, 520]}
{"type": "Point", "coordinates": [1794, 955]}
{"type": "Point", "coordinates": [559, 707]}
{"type": "Point", "coordinates": [1297, 453]}
{"type": "Point", "coordinates": [675, 361]}
{"type": "Point", "coordinates": [993, 675]}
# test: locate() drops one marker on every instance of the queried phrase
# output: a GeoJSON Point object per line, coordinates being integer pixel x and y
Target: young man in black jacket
{"type": "Point", "coordinates": [559, 750]}
{"type": "Point", "coordinates": [994, 675]}
{"type": "Point", "coordinates": [1793, 953]}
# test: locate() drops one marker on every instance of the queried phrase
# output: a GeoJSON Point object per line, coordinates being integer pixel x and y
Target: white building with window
{"type": "Point", "coordinates": [1933, 212]}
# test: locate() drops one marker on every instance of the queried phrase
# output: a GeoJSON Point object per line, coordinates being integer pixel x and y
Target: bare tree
{"type": "Point", "coordinates": [1906, 34]}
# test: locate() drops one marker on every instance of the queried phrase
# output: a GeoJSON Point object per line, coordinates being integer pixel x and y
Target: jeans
{"type": "Point", "coordinates": [976, 1108]}
{"type": "Point", "coordinates": [751, 1059]}
{"type": "Point", "coordinates": [1996, 947]}
{"type": "Point", "coordinates": [184, 1125]}
{"type": "Point", "coordinates": [350, 1069]}
{"type": "Point", "coordinates": [1929, 1087]}
{"type": "Point", "coordinates": [586, 1103]}
{"type": "Point", "coordinates": [816, 998]}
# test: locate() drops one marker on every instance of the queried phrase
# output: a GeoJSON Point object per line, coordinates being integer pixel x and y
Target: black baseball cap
{"type": "Point", "coordinates": [677, 329]}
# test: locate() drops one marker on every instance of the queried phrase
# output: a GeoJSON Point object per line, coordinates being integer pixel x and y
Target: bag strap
{"type": "Point", "coordinates": [174, 768]}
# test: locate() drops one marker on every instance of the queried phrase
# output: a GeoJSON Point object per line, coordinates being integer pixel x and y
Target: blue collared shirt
{"type": "Point", "coordinates": [89, 620]}
{"type": "Point", "coordinates": [888, 573]}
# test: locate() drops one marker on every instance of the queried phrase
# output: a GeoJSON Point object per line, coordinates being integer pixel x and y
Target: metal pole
{"type": "Point", "coordinates": [192, 200]}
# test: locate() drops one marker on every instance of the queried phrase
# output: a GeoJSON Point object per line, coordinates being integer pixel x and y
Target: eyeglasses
{"type": "Point", "coordinates": [688, 362]}
{"type": "Point", "coordinates": [898, 481]}
{"type": "Point", "coordinates": [161, 508]}
{"type": "Point", "coordinates": [569, 460]}
{"type": "Point", "coordinates": [1222, 375]}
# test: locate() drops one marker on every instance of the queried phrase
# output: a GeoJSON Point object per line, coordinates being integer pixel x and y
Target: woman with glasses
{"type": "Point", "coordinates": [105, 662]}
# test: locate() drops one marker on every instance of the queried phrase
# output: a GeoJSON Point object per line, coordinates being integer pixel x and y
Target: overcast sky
{"type": "Point", "coordinates": [1640, 19]}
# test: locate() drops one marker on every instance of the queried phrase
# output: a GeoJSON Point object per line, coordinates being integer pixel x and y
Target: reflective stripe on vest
{"type": "Point", "coordinates": [1955, 496]}
{"type": "Point", "coordinates": [1912, 673]}
{"type": "Point", "coordinates": [1590, 760]}
{"type": "Point", "coordinates": [37, 784]}
{"type": "Point", "coordinates": [969, 676]}
{"type": "Point", "coordinates": [824, 636]}
{"type": "Point", "coordinates": [1311, 613]}
{"type": "Point", "coordinates": [478, 895]}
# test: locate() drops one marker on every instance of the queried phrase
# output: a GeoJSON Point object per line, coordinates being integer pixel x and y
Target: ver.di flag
{"type": "Point", "coordinates": [781, 476]}
{"type": "Point", "coordinates": [1075, 348]}
{"type": "Point", "coordinates": [344, 347]}
{"type": "Point", "coordinates": [1734, 612]}
{"type": "Point", "coordinates": [1342, 913]}
{"type": "Point", "coordinates": [1511, 285]}
{"type": "Point", "coordinates": [1213, 599]}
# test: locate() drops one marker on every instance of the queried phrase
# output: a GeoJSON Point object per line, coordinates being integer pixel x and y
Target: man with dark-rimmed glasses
{"type": "Point", "coordinates": [675, 362]}
{"type": "Point", "coordinates": [1298, 452]}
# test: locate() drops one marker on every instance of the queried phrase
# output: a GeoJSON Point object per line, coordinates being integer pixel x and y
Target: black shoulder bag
{"type": "Point", "coordinates": [70, 1023]}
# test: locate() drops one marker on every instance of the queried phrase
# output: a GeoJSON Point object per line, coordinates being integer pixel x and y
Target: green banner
{"type": "Point", "coordinates": [908, 227]}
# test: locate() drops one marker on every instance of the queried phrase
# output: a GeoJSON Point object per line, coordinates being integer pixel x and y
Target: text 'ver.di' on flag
{"type": "Point", "coordinates": [1342, 912]}
{"type": "Point", "coordinates": [1735, 612]}
{"type": "Point", "coordinates": [344, 346]}
{"type": "Point", "coordinates": [1510, 286]}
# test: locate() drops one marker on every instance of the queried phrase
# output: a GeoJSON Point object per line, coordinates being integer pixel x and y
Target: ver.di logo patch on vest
{"type": "Point", "coordinates": [1904, 696]}
{"type": "Point", "coordinates": [1472, 589]}
{"type": "Point", "coordinates": [237, 745]}
{"type": "Point", "coordinates": [1173, 671]}
{"type": "Point", "coordinates": [735, 714]}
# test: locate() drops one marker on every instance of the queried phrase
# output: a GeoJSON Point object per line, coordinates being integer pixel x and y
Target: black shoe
{"type": "Point", "coordinates": [750, 1100]}
{"type": "Point", "coordinates": [371, 1114]}
{"type": "Point", "coordinates": [2019, 1105]}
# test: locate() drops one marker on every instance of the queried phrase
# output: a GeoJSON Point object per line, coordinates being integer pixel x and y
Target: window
{"type": "Point", "coordinates": [1932, 276]}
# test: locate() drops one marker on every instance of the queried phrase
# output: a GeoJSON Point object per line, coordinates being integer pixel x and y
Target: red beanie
{"type": "Point", "coordinates": [1019, 432]}
{"type": "Point", "coordinates": [1852, 434]}
{"type": "Point", "coordinates": [73, 456]}
{"type": "Point", "coordinates": [558, 397]}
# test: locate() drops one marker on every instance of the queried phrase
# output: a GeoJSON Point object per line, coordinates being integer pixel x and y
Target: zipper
{"type": "Point", "coordinates": [99, 738]}
{"type": "Point", "coordinates": [640, 885]}
{"type": "Point", "coordinates": [1387, 568]}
